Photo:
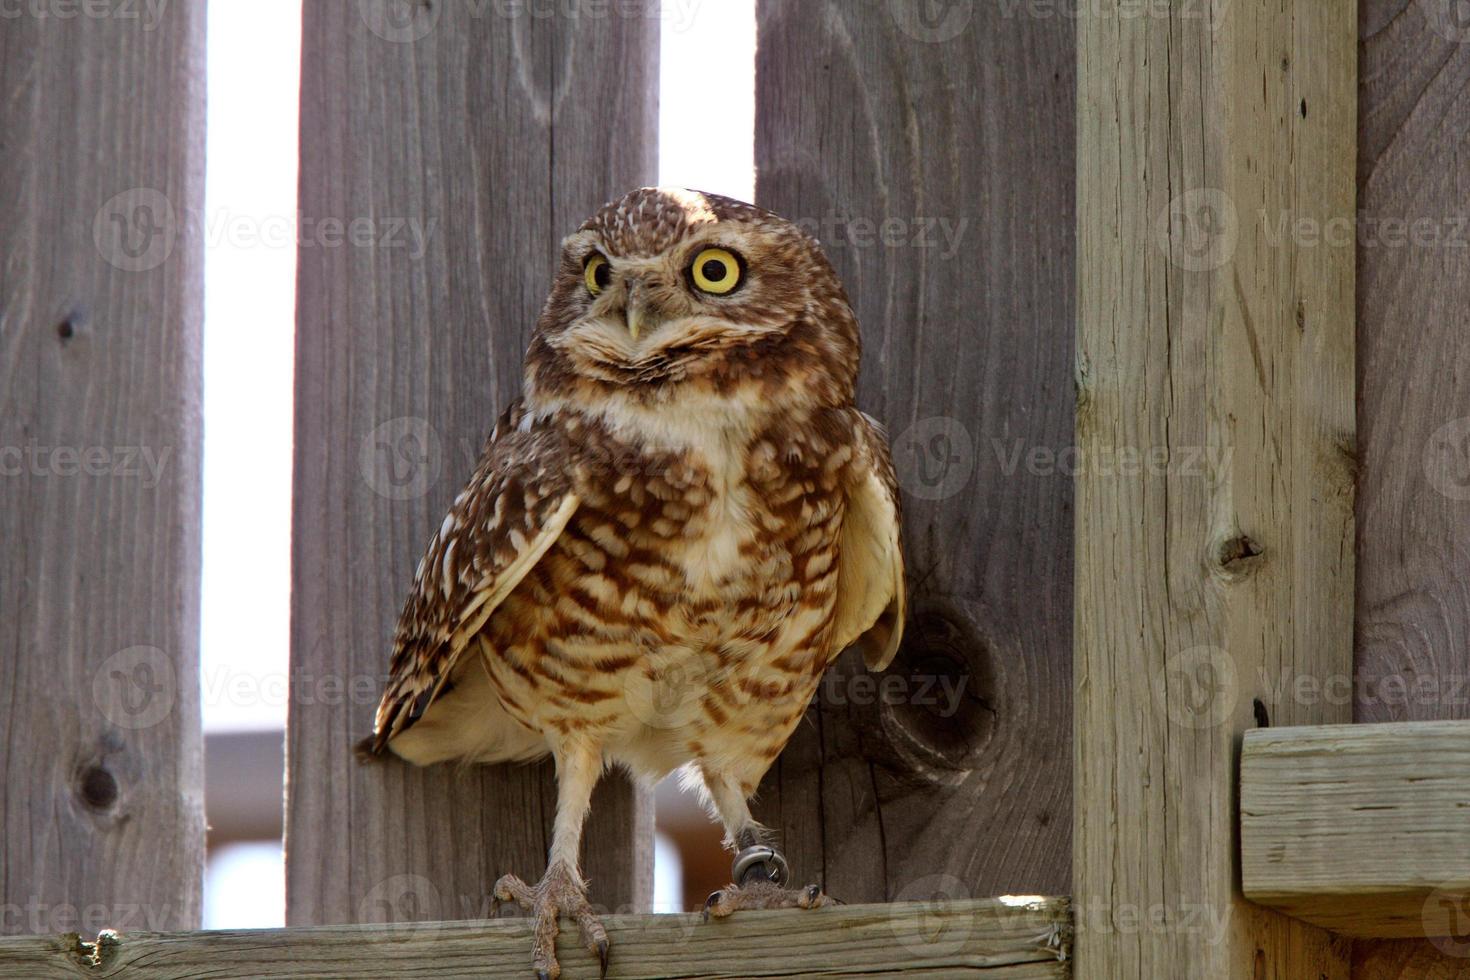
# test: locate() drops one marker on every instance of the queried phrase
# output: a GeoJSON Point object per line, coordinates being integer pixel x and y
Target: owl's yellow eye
{"type": "Point", "coordinates": [597, 273]}
{"type": "Point", "coordinates": [715, 270]}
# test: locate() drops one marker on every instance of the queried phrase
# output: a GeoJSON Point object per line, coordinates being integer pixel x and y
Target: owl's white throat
{"type": "Point", "coordinates": [684, 418]}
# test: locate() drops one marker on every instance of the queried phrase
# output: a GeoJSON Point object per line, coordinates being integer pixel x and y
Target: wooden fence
{"type": "Point", "coordinates": [101, 298]}
{"type": "Point", "coordinates": [1200, 578]}
{"type": "Point", "coordinates": [960, 160]}
{"type": "Point", "coordinates": [404, 360]}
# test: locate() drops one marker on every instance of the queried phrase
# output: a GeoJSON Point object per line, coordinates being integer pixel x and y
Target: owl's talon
{"type": "Point", "coordinates": [594, 938]}
{"type": "Point", "coordinates": [560, 892]}
{"type": "Point", "coordinates": [510, 888]}
{"type": "Point", "coordinates": [764, 895]}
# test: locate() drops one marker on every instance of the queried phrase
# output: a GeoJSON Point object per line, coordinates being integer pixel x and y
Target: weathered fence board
{"type": "Point", "coordinates": [934, 159]}
{"type": "Point", "coordinates": [1209, 136]}
{"type": "Point", "coordinates": [1360, 829]}
{"type": "Point", "coordinates": [101, 183]}
{"type": "Point", "coordinates": [1018, 939]}
{"type": "Point", "coordinates": [1413, 615]}
{"type": "Point", "coordinates": [463, 141]}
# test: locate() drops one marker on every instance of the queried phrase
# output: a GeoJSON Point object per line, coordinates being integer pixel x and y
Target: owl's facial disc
{"type": "Point", "coordinates": [667, 292]}
{"type": "Point", "coordinates": [654, 317]}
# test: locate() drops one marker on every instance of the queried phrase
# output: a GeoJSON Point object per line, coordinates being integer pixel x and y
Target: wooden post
{"type": "Point", "coordinates": [930, 148]}
{"type": "Point", "coordinates": [462, 141]}
{"type": "Point", "coordinates": [1215, 199]}
{"type": "Point", "coordinates": [1413, 660]}
{"type": "Point", "coordinates": [101, 275]}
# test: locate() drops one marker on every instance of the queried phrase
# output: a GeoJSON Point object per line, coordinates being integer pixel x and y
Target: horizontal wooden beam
{"type": "Point", "coordinates": [1025, 938]}
{"type": "Point", "coordinates": [1361, 829]}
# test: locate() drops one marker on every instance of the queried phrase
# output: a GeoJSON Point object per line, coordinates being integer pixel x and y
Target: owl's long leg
{"type": "Point", "coordinates": [759, 870]}
{"type": "Point", "coordinates": [562, 891]}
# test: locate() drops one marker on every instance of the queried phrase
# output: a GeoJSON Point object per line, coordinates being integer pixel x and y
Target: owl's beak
{"type": "Point", "coordinates": [640, 313]}
{"type": "Point", "coordinates": [635, 317]}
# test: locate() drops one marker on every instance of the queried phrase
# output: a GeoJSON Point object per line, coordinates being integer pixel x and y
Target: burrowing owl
{"type": "Point", "coordinates": [671, 534]}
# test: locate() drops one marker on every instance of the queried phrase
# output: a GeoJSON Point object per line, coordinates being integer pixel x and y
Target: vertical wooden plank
{"type": "Point", "coordinates": [1213, 139]}
{"type": "Point", "coordinates": [101, 272]}
{"type": "Point", "coordinates": [1413, 615]}
{"type": "Point", "coordinates": [465, 140]}
{"type": "Point", "coordinates": [930, 148]}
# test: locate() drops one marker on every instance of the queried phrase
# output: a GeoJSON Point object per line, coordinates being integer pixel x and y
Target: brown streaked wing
{"type": "Point", "coordinates": [514, 508]}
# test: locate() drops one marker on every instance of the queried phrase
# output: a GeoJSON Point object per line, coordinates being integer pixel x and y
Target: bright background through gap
{"type": "Point", "coordinates": [249, 320]}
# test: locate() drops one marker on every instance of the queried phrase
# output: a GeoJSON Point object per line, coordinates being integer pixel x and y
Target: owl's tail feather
{"type": "Point", "coordinates": [466, 723]}
{"type": "Point", "coordinates": [367, 750]}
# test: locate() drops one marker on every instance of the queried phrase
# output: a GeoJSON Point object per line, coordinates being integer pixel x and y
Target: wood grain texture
{"type": "Point", "coordinates": [493, 136]}
{"type": "Point", "coordinates": [1406, 959]}
{"type": "Point", "coordinates": [1413, 611]}
{"type": "Point", "coordinates": [1203, 326]}
{"type": "Point", "coordinates": [1360, 829]}
{"type": "Point", "coordinates": [990, 939]}
{"type": "Point", "coordinates": [934, 159]}
{"type": "Point", "coordinates": [101, 274]}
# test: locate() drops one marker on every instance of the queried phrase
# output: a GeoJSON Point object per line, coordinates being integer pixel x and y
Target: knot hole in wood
{"type": "Point", "coordinates": [936, 708]}
{"type": "Point", "coordinates": [97, 787]}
